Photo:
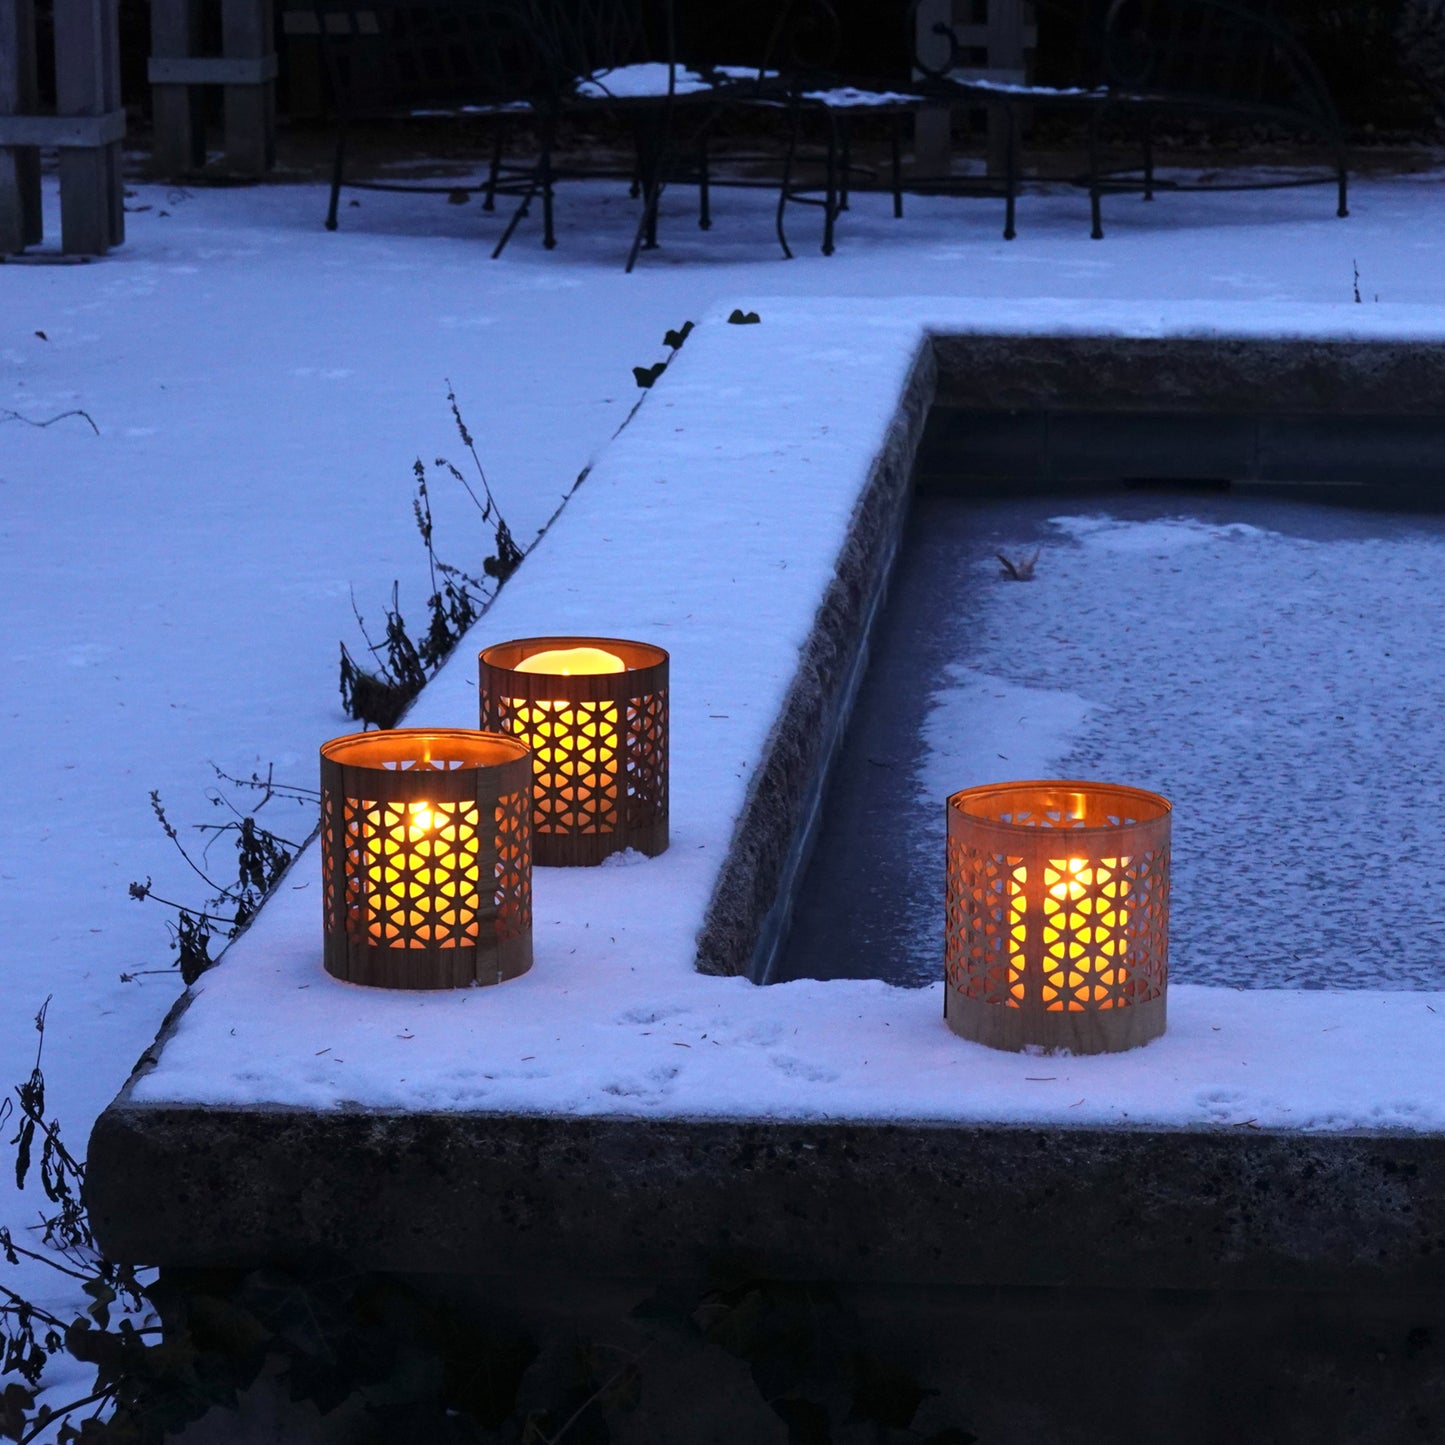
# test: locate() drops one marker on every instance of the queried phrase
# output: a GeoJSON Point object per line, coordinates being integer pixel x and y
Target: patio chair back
{"type": "Point", "coordinates": [584, 38]}
{"type": "Point", "coordinates": [1214, 56]}
{"type": "Point", "coordinates": [400, 56]}
{"type": "Point", "coordinates": [789, 46]}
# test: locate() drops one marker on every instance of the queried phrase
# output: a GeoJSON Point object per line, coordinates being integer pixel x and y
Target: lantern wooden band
{"type": "Point", "coordinates": [599, 745]}
{"type": "Point", "coordinates": [1058, 915]}
{"type": "Point", "coordinates": [426, 858]}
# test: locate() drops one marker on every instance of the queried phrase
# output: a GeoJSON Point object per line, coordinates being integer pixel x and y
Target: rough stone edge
{"type": "Point", "coordinates": [771, 839]}
{"type": "Point", "coordinates": [1324, 376]}
{"type": "Point", "coordinates": [871, 1202]}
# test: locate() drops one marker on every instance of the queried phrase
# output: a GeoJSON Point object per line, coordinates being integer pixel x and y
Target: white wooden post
{"type": "Point", "coordinates": [87, 128]}
{"type": "Point", "coordinates": [246, 72]}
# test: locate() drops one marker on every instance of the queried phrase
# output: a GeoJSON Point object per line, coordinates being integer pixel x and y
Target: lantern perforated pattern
{"type": "Point", "coordinates": [1057, 915]}
{"type": "Point", "coordinates": [426, 849]}
{"type": "Point", "coordinates": [599, 743]}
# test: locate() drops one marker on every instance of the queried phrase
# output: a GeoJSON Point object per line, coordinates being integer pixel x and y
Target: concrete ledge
{"type": "Point", "coordinates": [1302, 374]}
{"type": "Point", "coordinates": [862, 1142]}
{"type": "Point", "coordinates": [690, 1199]}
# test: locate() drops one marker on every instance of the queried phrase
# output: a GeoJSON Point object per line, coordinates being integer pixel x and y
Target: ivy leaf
{"type": "Point", "coordinates": [646, 375]}
{"type": "Point", "coordinates": [744, 318]}
{"type": "Point", "coordinates": [674, 339]}
{"type": "Point", "coordinates": [16, 1402]}
{"type": "Point", "coordinates": [22, 1142]}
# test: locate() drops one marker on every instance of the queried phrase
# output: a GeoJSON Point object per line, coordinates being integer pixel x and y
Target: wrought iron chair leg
{"type": "Point", "coordinates": [831, 203]}
{"type": "Point", "coordinates": [336, 170]}
{"type": "Point", "coordinates": [1010, 173]}
{"type": "Point", "coordinates": [541, 181]}
{"type": "Point", "coordinates": [896, 157]}
{"type": "Point", "coordinates": [845, 132]}
{"type": "Point", "coordinates": [651, 140]}
{"type": "Point", "coordinates": [489, 191]}
{"type": "Point", "coordinates": [704, 191]}
{"type": "Point", "coordinates": [516, 219]}
{"type": "Point", "coordinates": [1096, 231]}
{"type": "Point", "coordinates": [544, 168]}
{"type": "Point", "coordinates": [645, 237]}
{"type": "Point", "coordinates": [785, 188]}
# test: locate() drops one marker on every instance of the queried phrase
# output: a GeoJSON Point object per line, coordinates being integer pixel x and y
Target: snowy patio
{"type": "Point", "coordinates": [260, 390]}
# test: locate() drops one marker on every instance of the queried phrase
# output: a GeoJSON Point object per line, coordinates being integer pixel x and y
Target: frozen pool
{"type": "Point", "coordinates": [1274, 668]}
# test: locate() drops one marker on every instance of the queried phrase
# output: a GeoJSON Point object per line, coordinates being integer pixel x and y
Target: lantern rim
{"type": "Point", "coordinates": [1149, 806]}
{"type": "Point", "coordinates": [636, 656]}
{"type": "Point", "coordinates": [476, 749]}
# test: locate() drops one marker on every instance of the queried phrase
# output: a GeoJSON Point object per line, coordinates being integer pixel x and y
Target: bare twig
{"type": "Point", "coordinates": [1023, 569]}
{"type": "Point", "coordinates": [8, 415]}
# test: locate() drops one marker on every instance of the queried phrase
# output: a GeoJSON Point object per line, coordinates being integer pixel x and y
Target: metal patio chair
{"type": "Point", "coordinates": [468, 61]}
{"type": "Point", "coordinates": [1150, 62]}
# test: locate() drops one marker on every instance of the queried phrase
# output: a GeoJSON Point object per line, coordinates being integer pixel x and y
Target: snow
{"type": "Point", "coordinates": [739, 529]}
{"type": "Point", "coordinates": [848, 97]}
{"type": "Point", "coordinates": [637, 82]}
{"type": "Point", "coordinates": [175, 587]}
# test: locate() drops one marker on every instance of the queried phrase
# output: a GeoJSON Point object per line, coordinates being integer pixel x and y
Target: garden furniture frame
{"type": "Point", "coordinates": [1217, 61]}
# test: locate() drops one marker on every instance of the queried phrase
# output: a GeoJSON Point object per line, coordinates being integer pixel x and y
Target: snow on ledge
{"type": "Point", "coordinates": [711, 526]}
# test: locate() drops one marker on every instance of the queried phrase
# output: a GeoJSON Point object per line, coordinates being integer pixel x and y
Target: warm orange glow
{"type": "Point", "coordinates": [1082, 931]}
{"type": "Point", "coordinates": [577, 744]}
{"type": "Point", "coordinates": [421, 872]}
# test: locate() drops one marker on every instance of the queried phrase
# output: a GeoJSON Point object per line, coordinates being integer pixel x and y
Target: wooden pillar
{"type": "Point", "coordinates": [179, 144]}
{"type": "Point", "coordinates": [1006, 38]}
{"type": "Point", "coordinates": [88, 127]}
{"type": "Point", "coordinates": [932, 146]}
{"type": "Point", "coordinates": [20, 221]}
{"type": "Point", "coordinates": [87, 84]}
{"type": "Point", "coordinates": [246, 73]}
{"type": "Point", "coordinates": [248, 31]}
{"type": "Point", "coordinates": [1009, 37]}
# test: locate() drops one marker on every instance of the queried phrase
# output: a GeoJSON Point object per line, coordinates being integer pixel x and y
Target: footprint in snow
{"type": "Point", "coordinates": [650, 1085]}
{"type": "Point", "coordinates": [796, 1068]}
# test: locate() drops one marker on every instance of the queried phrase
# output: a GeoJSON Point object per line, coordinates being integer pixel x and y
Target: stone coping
{"type": "Point", "coordinates": [801, 431]}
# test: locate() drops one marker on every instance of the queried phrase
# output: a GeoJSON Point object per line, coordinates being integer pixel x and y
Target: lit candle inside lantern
{"type": "Point", "coordinates": [572, 662]}
{"type": "Point", "coordinates": [577, 744]}
{"type": "Point", "coordinates": [421, 870]}
{"type": "Point", "coordinates": [1083, 930]}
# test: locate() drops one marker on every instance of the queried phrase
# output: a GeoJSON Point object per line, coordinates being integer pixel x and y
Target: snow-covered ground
{"type": "Point", "coordinates": [174, 588]}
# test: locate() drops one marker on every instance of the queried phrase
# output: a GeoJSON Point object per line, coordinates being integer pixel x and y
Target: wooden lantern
{"type": "Point", "coordinates": [1057, 931]}
{"type": "Point", "coordinates": [427, 857]}
{"type": "Point", "coordinates": [593, 710]}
